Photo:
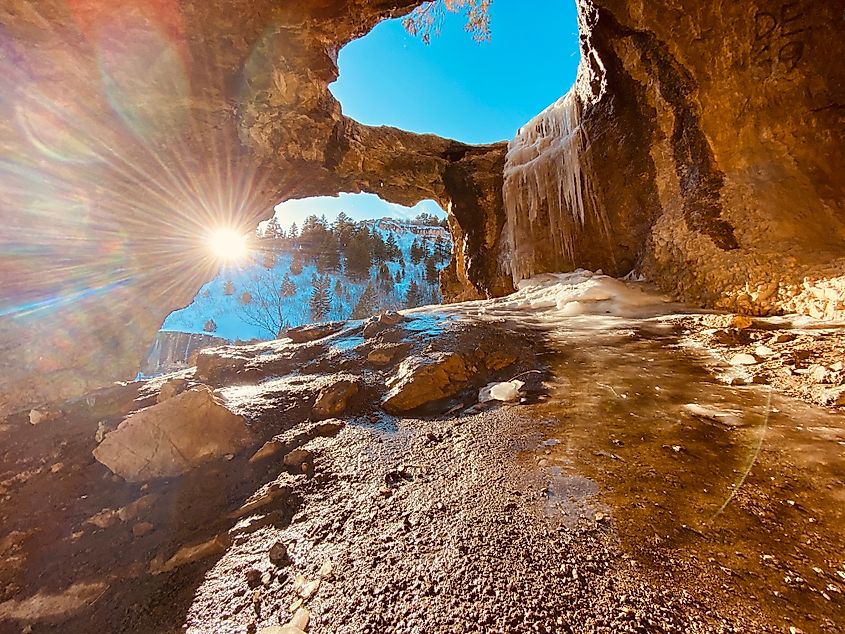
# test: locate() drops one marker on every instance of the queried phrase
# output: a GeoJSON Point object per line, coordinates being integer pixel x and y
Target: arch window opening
{"type": "Point", "coordinates": [317, 259]}
{"type": "Point", "coordinates": [455, 86]}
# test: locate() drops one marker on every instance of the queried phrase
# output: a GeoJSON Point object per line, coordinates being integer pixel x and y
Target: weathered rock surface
{"type": "Point", "coordinates": [173, 437]}
{"type": "Point", "coordinates": [716, 193]}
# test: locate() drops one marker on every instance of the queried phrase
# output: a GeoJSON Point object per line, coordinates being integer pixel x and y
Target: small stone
{"type": "Point", "coordinates": [253, 577]}
{"type": "Point", "coordinates": [103, 519]}
{"type": "Point", "coordinates": [38, 416]}
{"type": "Point", "coordinates": [335, 399]}
{"type": "Point", "coordinates": [300, 619]}
{"type": "Point", "coordinates": [385, 491]}
{"type": "Point", "coordinates": [57, 467]}
{"type": "Point", "coordinates": [268, 450]}
{"type": "Point", "coordinates": [741, 322]}
{"type": "Point", "coordinates": [818, 373]}
{"type": "Point", "coordinates": [298, 459]}
{"type": "Point", "coordinates": [763, 351]}
{"type": "Point", "coordinates": [266, 579]}
{"type": "Point", "coordinates": [142, 528]}
{"type": "Point", "coordinates": [279, 554]}
{"type": "Point", "coordinates": [783, 337]}
{"type": "Point", "coordinates": [189, 554]}
{"type": "Point", "coordinates": [102, 430]}
{"type": "Point", "coordinates": [325, 570]}
{"type": "Point", "coordinates": [743, 359]}
{"type": "Point", "coordinates": [834, 396]}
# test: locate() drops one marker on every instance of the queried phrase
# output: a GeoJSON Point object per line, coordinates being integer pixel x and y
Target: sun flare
{"type": "Point", "coordinates": [227, 244]}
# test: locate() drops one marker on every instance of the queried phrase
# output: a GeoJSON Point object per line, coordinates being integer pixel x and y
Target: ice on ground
{"type": "Point", "coordinates": [581, 292]}
{"type": "Point", "coordinates": [500, 391]}
{"type": "Point", "coordinates": [729, 417]}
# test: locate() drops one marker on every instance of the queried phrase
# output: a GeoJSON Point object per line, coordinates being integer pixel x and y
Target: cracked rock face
{"type": "Point", "coordinates": [700, 146]}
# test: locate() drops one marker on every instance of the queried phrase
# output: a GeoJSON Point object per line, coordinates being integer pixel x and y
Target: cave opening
{"type": "Point", "coordinates": [455, 86]}
{"type": "Point", "coordinates": [317, 259]}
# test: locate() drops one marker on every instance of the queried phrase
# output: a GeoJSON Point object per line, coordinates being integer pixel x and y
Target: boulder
{"type": "Point", "coordinates": [173, 437]}
{"type": "Point", "coordinates": [425, 379]}
{"type": "Point", "coordinates": [386, 355]}
{"type": "Point", "coordinates": [335, 399]}
{"type": "Point", "coordinates": [171, 388]}
{"type": "Point", "coordinates": [312, 332]}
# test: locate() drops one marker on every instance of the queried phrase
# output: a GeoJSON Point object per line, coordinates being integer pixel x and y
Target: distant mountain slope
{"type": "Point", "coordinates": [277, 288]}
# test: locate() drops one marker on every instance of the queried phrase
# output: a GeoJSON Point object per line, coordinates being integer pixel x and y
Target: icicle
{"type": "Point", "coordinates": [545, 194]}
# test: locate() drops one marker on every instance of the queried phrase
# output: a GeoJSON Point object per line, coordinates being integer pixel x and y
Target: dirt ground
{"type": "Point", "coordinates": [519, 517]}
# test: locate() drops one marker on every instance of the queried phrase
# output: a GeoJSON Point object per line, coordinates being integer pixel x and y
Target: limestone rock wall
{"type": "Point", "coordinates": [700, 146]}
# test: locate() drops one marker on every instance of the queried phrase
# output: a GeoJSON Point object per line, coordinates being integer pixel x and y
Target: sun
{"type": "Point", "coordinates": [227, 244]}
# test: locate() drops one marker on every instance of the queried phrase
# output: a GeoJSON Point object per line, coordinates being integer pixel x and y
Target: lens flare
{"type": "Point", "coordinates": [227, 244]}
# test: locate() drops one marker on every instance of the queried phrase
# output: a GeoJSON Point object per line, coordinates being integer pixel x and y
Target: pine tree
{"type": "Point", "coordinates": [392, 247]}
{"type": "Point", "coordinates": [413, 298]}
{"type": "Point", "coordinates": [417, 252]}
{"type": "Point", "coordinates": [296, 264]}
{"type": "Point", "coordinates": [432, 275]}
{"type": "Point", "coordinates": [269, 259]}
{"type": "Point", "coordinates": [321, 299]}
{"type": "Point", "coordinates": [367, 304]}
{"type": "Point", "coordinates": [398, 277]}
{"type": "Point", "coordinates": [293, 234]}
{"type": "Point", "coordinates": [357, 256]}
{"type": "Point", "coordinates": [288, 288]}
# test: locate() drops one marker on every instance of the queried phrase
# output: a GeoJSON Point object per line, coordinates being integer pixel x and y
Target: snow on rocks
{"type": "Point", "coordinates": [502, 391]}
{"type": "Point", "coordinates": [312, 332]}
{"type": "Point", "coordinates": [581, 292]}
{"type": "Point", "coordinates": [173, 437]}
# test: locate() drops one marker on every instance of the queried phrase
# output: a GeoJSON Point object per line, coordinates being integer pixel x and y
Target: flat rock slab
{"type": "Point", "coordinates": [312, 332]}
{"type": "Point", "coordinates": [173, 437]}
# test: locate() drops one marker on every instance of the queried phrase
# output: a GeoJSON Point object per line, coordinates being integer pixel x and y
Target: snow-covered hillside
{"type": "Point", "coordinates": [222, 309]}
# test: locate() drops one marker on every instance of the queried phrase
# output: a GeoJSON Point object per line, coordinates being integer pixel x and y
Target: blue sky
{"type": "Point", "coordinates": [453, 87]}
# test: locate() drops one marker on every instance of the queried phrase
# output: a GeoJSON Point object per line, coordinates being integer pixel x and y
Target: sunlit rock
{"type": "Point", "coordinates": [335, 399]}
{"type": "Point", "coordinates": [423, 379]}
{"type": "Point", "coordinates": [173, 437]}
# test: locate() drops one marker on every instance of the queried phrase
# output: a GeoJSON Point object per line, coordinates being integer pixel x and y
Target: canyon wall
{"type": "Point", "coordinates": [700, 146]}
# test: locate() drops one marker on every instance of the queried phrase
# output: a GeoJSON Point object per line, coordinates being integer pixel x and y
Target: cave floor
{"type": "Point", "coordinates": [631, 490]}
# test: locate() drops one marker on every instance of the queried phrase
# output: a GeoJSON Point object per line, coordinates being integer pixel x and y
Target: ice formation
{"type": "Point", "coordinates": [504, 391]}
{"type": "Point", "coordinates": [546, 196]}
{"type": "Point", "coordinates": [555, 296]}
{"type": "Point", "coordinates": [585, 293]}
